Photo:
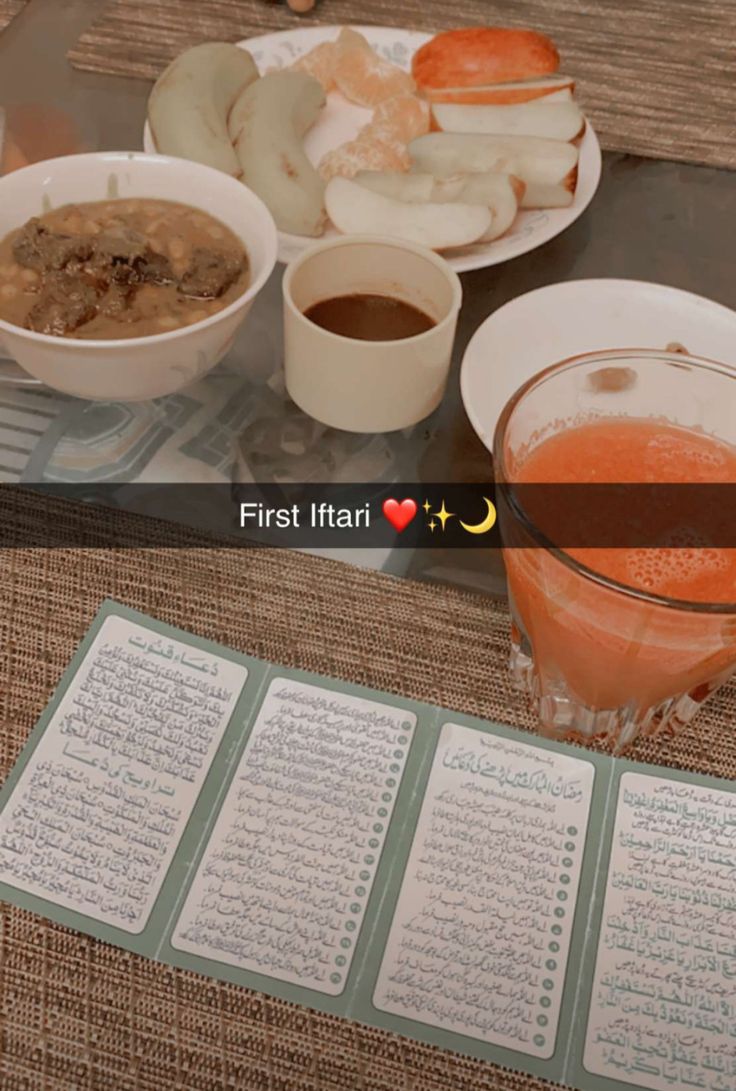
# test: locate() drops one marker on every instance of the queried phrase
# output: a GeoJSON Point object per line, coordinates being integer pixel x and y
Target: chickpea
{"type": "Point", "coordinates": [196, 316]}
{"type": "Point", "coordinates": [30, 276]}
{"type": "Point", "coordinates": [91, 227]}
{"type": "Point", "coordinates": [177, 248]}
{"type": "Point", "coordinates": [8, 291]}
{"type": "Point", "coordinates": [216, 233]}
{"type": "Point", "coordinates": [168, 322]}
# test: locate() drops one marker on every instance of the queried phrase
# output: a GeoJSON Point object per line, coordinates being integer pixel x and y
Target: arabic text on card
{"type": "Point", "coordinates": [663, 1007]}
{"type": "Point", "coordinates": [96, 817]}
{"type": "Point", "coordinates": [284, 883]}
{"type": "Point", "coordinates": [481, 930]}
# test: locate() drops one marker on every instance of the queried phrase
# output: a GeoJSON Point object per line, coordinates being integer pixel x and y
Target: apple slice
{"type": "Point", "coordinates": [398, 185]}
{"type": "Point", "coordinates": [504, 93]}
{"type": "Point", "coordinates": [554, 96]}
{"type": "Point", "coordinates": [355, 210]}
{"type": "Point", "coordinates": [448, 189]}
{"type": "Point", "coordinates": [538, 195]}
{"type": "Point", "coordinates": [530, 158]}
{"type": "Point", "coordinates": [553, 120]}
{"type": "Point", "coordinates": [499, 192]}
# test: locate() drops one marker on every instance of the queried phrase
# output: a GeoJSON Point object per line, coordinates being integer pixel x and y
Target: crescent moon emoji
{"type": "Point", "coordinates": [486, 525]}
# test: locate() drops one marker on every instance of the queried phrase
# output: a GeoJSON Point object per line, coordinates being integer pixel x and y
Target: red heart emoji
{"type": "Point", "coordinates": [399, 514]}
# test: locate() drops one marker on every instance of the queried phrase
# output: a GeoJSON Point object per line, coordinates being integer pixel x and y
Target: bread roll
{"type": "Point", "coordinates": [477, 56]}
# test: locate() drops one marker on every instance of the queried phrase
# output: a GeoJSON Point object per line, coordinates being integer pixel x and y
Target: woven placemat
{"type": "Point", "coordinates": [77, 1015]}
{"type": "Point", "coordinates": [656, 77]}
{"type": "Point", "coordinates": [8, 11]}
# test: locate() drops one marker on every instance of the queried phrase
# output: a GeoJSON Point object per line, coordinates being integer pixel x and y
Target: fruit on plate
{"type": "Point", "coordinates": [350, 64]}
{"type": "Point", "coordinates": [484, 126]}
{"type": "Point", "coordinates": [190, 102]}
{"type": "Point", "coordinates": [554, 120]}
{"type": "Point", "coordinates": [539, 195]}
{"type": "Point", "coordinates": [356, 210]}
{"type": "Point", "coordinates": [401, 118]}
{"type": "Point", "coordinates": [320, 63]}
{"type": "Point", "coordinates": [498, 192]}
{"type": "Point", "coordinates": [530, 158]}
{"type": "Point", "coordinates": [321, 60]}
{"type": "Point", "coordinates": [267, 126]}
{"type": "Point", "coordinates": [398, 185]}
{"type": "Point", "coordinates": [365, 153]}
{"type": "Point", "coordinates": [365, 78]}
{"type": "Point", "coordinates": [350, 38]}
{"type": "Point", "coordinates": [551, 88]}
{"type": "Point", "coordinates": [475, 56]}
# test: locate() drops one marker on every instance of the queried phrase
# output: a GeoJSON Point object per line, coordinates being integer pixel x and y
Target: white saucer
{"type": "Point", "coordinates": [550, 324]}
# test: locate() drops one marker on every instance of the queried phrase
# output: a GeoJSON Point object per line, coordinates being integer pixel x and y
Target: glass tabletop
{"type": "Point", "coordinates": [650, 220]}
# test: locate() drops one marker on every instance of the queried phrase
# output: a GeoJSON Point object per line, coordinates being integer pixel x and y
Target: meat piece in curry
{"type": "Point", "coordinates": [209, 275]}
{"type": "Point", "coordinates": [36, 247]}
{"type": "Point", "coordinates": [64, 303]}
{"type": "Point", "coordinates": [121, 268]}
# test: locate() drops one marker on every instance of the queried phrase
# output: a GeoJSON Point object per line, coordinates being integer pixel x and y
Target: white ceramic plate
{"type": "Point", "coordinates": [341, 120]}
{"type": "Point", "coordinates": [550, 324]}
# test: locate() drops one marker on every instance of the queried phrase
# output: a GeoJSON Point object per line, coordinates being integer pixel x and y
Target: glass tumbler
{"type": "Point", "coordinates": [597, 658]}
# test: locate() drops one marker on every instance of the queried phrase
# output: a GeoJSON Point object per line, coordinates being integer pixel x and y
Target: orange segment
{"type": "Point", "coordinates": [367, 79]}
{"type": "Point", "coordinates": [320, 63]}
{"type": "Point", "coordinates": [385, 135]}
{"type": "Point", "coordinates": [365, 153]}
{"type": "Point", "coordinates": [386, 138]}
{"type": "Point", "coordinates": [404, 117]}
{"type": "Point", "coordinates": [352, 39]}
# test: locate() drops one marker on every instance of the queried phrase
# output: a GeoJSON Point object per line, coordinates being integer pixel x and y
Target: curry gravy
{"type": "Point", "coordinates": [119, 269]}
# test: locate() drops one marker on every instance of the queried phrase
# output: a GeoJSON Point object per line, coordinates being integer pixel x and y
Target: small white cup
{"type": "Point", "coordinates": [369, 386]}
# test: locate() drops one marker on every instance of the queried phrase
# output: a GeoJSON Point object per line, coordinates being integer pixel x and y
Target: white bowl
{"type": "Point", "coordinates": [138, 368]}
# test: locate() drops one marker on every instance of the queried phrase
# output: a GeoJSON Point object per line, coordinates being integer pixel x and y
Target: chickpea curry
{"type": "Point", "coordinates": [119, 269]}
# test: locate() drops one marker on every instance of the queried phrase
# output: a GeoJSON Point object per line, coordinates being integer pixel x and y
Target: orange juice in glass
{"type": "Point", "coordinates": [617, 641]}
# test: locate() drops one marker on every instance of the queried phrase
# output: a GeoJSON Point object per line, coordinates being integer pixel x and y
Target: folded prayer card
{"type": "Point", "coordinates": [537, 905]}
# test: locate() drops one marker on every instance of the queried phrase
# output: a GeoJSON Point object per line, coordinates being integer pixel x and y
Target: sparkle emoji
{"type": "Point", "coordinates": [443, 515]}
{"type": "Point", "coordinates": [437, 518]}
{"type": "Point", "coordinates": [485, 524]}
